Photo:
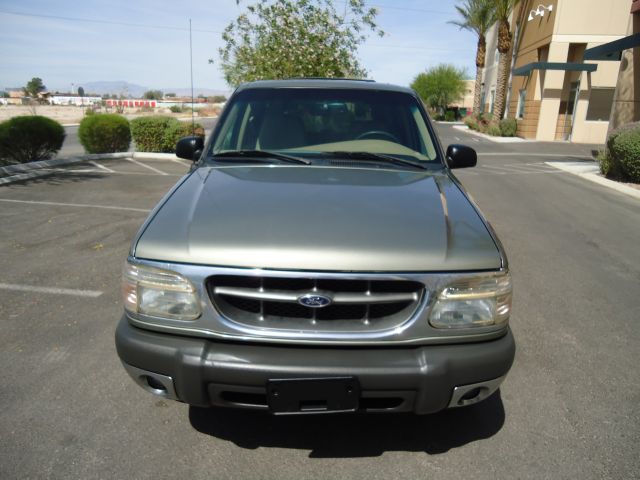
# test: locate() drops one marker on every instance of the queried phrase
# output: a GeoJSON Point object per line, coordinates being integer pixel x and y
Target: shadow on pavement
{"type": "Point", "coordinates": [353, 435]}
{"type": "Point", "coordinates": [59, 178]}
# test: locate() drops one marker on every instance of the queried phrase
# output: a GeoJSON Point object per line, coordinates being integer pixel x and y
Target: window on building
{"type": "Point", "coordinates": [521, 99]}
{"type": "Point", "coordinates": [492, 100]}
{"type": "Point", "coordinates": [600, 103]}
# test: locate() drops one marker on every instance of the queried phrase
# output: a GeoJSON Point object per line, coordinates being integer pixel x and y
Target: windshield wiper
{"type": "Point", "coordinates": [377, 157]}
{"type": "Point", "coordinates": [260, 154]}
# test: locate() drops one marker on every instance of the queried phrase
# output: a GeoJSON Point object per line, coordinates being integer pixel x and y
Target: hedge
{"type": "Point", "coordinates": [29, 139]}
{"type": "Point", "coordinates": [621, 159]}
{"type": "Point", "coordinates": [104, 133]}
{"type": "Point", "coordinates": [159, 133]}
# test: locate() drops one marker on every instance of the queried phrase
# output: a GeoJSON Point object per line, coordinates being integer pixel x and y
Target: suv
{"type": "Point", "coordinates": [320, 256]}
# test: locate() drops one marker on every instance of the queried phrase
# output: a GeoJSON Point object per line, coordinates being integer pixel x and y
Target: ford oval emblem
{"type": "Point", "coordinates": [313, 300]}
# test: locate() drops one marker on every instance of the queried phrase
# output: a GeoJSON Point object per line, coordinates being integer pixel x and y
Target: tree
{"type": "Point", "coordinates": [217, 99]}
{"type": "Point", "coordinates": [296, 38]}
{"type": "Point", "coordinates": [153, 95]}
{"type": "Point", "coordinates": [440, 86]}
{"type": "Point", "coordinates": [81, 91]}
{"type": "Point", "coordinates": [502, 10]}
{"type": "Point", "coordinates": [476, 16]}
{"type": "Point", "coordinates": [170, 95]}
{"type": "Point", "coordinates": [34, 87]}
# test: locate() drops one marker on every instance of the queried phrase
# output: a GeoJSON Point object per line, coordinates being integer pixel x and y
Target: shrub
{"type": "Point", "coordinates": [175, 131]}
{"type": "Point", "coordinates": [148, 132]}
{"type": "Point", "coordinates": [493, 129]}
{"type": "Point", "coordinates": [625, 151]}
{"type": "Point", "coordinates": [158, 133]}
{"type": "Point", "coordinates": [472, 122]}
{"type": "Point", "coordinates": [608, 167]}
{"type": "Point", "coordinates": [508, 127]}
{"type": "Point", "coordinates": [176, 108]}
{"type": "Point", "coordinates": [450, 116]}
{"type": "Point", "coordinates": [29, 138]}
{"type": "Point", "coordinates": [104, 133]}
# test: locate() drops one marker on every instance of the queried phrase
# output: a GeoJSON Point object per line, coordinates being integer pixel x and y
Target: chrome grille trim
{"type": "Point", "coordinates": [275, 302]}
{"type": "Point", "coordinates": [353, 298]}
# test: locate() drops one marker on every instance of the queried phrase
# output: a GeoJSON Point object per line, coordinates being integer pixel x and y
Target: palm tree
{"type": "Point", "coordinates": [502, 9]}
{"type": "Point", "coordinates": [476, 16]}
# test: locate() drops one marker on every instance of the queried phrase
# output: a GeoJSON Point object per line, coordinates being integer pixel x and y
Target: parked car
{"type": "Point", "coordinates": [320, 256]}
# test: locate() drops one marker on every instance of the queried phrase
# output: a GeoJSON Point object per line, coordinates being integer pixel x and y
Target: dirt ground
{"type": "Point", "coordinates": [70, 114]}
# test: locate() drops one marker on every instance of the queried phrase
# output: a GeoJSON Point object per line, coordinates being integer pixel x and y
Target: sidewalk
{"type": "Point", "coordinates": [591, 171]}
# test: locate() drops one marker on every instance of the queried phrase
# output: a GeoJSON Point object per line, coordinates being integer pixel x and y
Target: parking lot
{"type": "Point", "coordinates": [567, 410]}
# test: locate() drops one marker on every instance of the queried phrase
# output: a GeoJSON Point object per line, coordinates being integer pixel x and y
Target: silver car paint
{"type": "Point", "coordinates": [320, 219]}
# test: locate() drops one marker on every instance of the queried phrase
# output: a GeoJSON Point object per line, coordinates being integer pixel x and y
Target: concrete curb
{"type": "Point", "coordinates": [490, 138]}
{"type": "Point", "coordinates": [25, 171]}
{"type": "Point", "coordinates": [590, 172]}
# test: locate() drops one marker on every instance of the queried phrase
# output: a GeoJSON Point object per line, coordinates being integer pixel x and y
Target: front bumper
{"type": "Point", "coordinates": [421, 379]}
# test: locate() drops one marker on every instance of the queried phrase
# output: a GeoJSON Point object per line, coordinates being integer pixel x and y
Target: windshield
{"type": "Point", "coordinates": [311, 123]}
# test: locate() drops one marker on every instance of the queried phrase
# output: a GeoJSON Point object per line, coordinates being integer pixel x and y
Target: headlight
{"type": "Point", "coordinates": [160, 293]}
{"type": "Point", "coordinates": [473, 302]}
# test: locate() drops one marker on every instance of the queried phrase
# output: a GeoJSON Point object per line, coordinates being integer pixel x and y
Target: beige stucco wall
{"type": "Point", "coordinates": [593, 17]}
{"type": "Point", "coordinates": [626, 105]}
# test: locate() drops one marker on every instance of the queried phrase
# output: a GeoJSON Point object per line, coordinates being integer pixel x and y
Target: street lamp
{"type": "Point", "coordinates": [539, 12]}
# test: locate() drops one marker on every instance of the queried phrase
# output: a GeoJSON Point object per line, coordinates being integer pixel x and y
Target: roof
{"type": "Point", "coordinates": [571, 67]}
{"type": "Point", "coordinates": [612, 50]}
{"type": "Point", "coordinates": [324, 83]}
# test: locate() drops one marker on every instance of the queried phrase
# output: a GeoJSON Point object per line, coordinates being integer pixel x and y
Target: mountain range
{"type": "Point", "coordinates": [121, 87]}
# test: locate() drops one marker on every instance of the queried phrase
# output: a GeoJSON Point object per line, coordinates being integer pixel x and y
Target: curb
{"type": "Point", "coordinates": [492, 139]}
{"type": "Point", "coordinates": [25, 171]}
{"type": "Point", "coordinates": [589, 172]}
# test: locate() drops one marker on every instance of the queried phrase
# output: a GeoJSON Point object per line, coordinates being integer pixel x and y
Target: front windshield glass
{"type": "Point", "coordinates": [313, 122]}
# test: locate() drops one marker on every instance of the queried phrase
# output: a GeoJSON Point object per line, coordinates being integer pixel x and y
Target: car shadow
{"type": "Point", "coordinates": [353, 435]}
{"type": "Point", "coordinates": [60, 177]}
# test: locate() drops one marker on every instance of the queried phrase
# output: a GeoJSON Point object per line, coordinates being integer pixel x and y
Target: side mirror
{"type": "Point", "coordinates": [461, 156]}
{"type": "Point", "coordinates": [190, 148]}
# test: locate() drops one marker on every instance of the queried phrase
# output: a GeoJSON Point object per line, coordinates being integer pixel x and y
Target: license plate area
{"type": "Point", "coordinates": [313, 395]}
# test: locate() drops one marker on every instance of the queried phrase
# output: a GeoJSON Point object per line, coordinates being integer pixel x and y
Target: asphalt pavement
{"type": "Point", "coordinates": [568, 408]}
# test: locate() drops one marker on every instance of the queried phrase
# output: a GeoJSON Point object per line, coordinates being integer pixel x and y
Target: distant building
{"type": "Point", "coordinates": [70, 99]}
{"type": "Point", "coordinates": [466, 101]}
{"type": "Point", "coordinates": [559, 90]}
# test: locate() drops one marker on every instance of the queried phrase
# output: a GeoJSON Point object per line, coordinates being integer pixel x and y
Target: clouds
{"type": "Point", "coordinates": [64, 51]}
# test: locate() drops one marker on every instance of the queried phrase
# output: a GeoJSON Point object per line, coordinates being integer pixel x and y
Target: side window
{"type": "Point", "coordinates": [227, 137]}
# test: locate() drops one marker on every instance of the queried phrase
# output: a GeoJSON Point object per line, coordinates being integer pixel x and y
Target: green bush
{"type": "Point", "coordinates": [625, 151]}
{"type": "Point", "coordinates": [471, 122]}
{"type": "Point", "coordinates": [493, 129]}
{"type": "Point", "coordinates": [104, 133]}
{"type": "Point", "coordinates": [508, 127]}
{"type": "Point", "coordinates": [29, 139]}
{"type": "Point", "coordinates": [159, 133]}
{"type": "Point", "coordinates": [175, 131]}
{"type": "Point", "coordinates": [450, 116]}
{"type": "Point", "coordinates": [176, 108]}
{"type": "Point", "coordinates": [608, 167]}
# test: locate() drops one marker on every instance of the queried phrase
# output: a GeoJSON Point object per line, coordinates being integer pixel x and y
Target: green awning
{"type": "Point", "coordinates": [569, 67]}
{"type": "Point", "coordinates": [612, 50]}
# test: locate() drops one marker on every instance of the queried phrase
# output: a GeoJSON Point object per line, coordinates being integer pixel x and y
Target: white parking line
{"type": "Point", "coordinates": [181, 162]}
{"type": "Point", "coordinates": [102, 167]}
{"type": "Point", "coordinates": [457, 138]}
{"type": "Point", "coordinates": [146, 166]}
{"type": "Point", "coordinates": [52, 290]}
{"type": "Point", "coordinates": [81, 205]}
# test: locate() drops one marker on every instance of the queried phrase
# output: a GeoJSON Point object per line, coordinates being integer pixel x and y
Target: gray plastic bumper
{"type": "Point", "coordinates": [421, 379]}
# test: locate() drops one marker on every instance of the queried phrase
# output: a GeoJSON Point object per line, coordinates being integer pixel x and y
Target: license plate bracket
{"type": "Point", "coordinates": [313, 395]}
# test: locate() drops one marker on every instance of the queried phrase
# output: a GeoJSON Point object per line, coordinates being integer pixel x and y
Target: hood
{"type": "Point", "coordinates": [320, 218]}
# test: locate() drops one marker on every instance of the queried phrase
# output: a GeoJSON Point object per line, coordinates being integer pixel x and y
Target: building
{"type": "Point", "coordinates": [466, 101]}
{"type": "Point", "coordinates": [555, 92]}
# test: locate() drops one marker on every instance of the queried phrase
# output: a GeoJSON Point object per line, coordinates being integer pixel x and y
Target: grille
{"type": "Point", "coordinates": [353, 304]}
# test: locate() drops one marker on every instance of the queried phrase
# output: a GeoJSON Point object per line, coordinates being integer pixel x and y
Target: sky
{"type": "Point", "coordinates": [146, 42]}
